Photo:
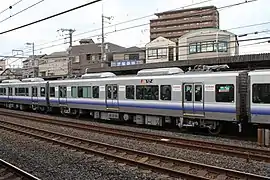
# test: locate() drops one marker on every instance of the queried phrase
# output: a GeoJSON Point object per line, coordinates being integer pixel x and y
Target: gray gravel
{"type": "Point", "coordinates": [48, 162]}
{"type": "Point", "coordinates": [197, 156]}
{"type": "Point", "coordinates": [159, 132]}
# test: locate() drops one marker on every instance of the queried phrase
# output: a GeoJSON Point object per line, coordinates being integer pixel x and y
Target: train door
{"type": "Point", "coordinates": [34, 94]}
{"type": "Point", "coordinates": [10, 96]}
{"type": "Point", "coordinates": [112, 97]}
{"type": "Point", "coordinates": [62, 95]}
{"type": "Point", "coordinates": [193, 101]}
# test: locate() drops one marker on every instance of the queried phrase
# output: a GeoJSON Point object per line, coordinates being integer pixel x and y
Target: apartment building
{"type": "Point", "coordinates": [173, 24]}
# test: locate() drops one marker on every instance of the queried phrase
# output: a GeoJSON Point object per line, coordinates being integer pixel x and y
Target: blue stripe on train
{"type": "Point", "coordinates": [177, 107]}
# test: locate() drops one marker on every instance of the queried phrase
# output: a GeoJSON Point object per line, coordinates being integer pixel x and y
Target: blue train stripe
{"type": "Point", "coordinates": [159, 106]}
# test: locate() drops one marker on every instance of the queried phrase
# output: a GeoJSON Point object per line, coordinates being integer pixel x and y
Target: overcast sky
{"type": "Point", "coordinates": [89, 18]}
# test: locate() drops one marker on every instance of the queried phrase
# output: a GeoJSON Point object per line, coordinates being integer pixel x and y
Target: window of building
{"type": "Point", "coordinates": [130, 92]}
{"type": "Point", "coordinates": [148, 92]}
{"type": "Point", "coordinates": [152, 53]}
{"type": "Point", "coordinates": [261, 93]}
{"type": "Point", "coordinates": [165, 92]}
{"type": "Point", "coordinates": [95, 90]}
{"type": "Point", "coordinates": [134, 56]}
{"type": "Point", "coordinates": [162, 52]}
{"type": "Point", "coordinates": [223, 46]}
{"type": "Point", "coordinates": [224, 92]}
{"type": "Point", "coordinates": [52, 91]}
{"type": "Point", "coordinates": [88, 57]}
{"type": "Point", "coordinates": [192, 48]}
{"type": "Point", "coordinates": [42, 91]}
{"type": "Point", "coordinates": [211, 46]}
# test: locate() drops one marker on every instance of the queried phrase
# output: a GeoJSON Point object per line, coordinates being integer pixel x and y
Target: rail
{"type": "Point", "coordinates": [10, 172]}
{"type": "Point", "coordinates": [173, 167]}
{"type": "Point", "coordinates": [218, 148]}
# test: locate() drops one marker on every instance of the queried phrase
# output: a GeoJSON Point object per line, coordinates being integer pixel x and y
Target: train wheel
{"type": "Point", "coordinates": [216, 130]}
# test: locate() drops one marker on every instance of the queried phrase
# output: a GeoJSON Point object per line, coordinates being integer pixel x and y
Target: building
{"type": "Point", "coordinates": [160, 50]}
{"type": "Point", "coordinates": [209, 42]}
{"type": "Point", "coordinates": [88, 55]}
{"type": "Point", "coordinates": [30, 66]}
{"type": "Point", "coordinates": [173, 24]}
{"type": "Point", "coordinates": [11, 73]}
{"type": "Point", "coordinates": [2, 64]}
{"type": "Point", "coordinates": [129, 56]}
{"type": "Point", "coordinates": [55, 64]}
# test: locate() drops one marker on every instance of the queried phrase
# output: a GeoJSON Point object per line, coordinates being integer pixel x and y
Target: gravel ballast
{"type": "Point", "coordinates": [158, 132]}
{"type": "Point", "coordinates": [48, 162]}
{"type": "Point", "coordinates": [255, 167]}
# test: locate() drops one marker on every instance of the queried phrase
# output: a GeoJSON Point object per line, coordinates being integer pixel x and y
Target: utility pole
{"type": "Point", "coordinates": [103, 52]}
{"type": "Point", "coordinates": [33, 64]}
{"type": "Point", "coordinates": [70, 33]}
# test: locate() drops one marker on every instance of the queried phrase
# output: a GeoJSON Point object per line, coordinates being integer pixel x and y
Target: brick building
{"type": "Point", "coordinates": [173, 24]}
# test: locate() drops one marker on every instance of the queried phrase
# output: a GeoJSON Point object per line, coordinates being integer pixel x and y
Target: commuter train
{"type": "Point", "coordinates": [159, 97]}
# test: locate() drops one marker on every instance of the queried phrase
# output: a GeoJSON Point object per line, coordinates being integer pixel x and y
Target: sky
{"type": "Point", "coordinates": [87, 20]}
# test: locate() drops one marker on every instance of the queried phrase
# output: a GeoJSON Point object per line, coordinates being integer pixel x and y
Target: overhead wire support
{"type": "Point", "coordinates": [50, 17]}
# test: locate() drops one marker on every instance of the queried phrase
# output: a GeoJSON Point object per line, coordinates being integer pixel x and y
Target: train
{"type": "Point", "coordinates": [157, 97]}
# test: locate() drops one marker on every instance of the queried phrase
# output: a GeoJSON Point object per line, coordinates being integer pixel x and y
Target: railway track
{"type": "Point", "coordinates": [11, 172]}
{"type": "Point", "coordinates": [173, 167]}
{"type": "Point", "coordinates": [218, 148]}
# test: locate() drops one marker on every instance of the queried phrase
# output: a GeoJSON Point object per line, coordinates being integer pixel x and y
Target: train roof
{"type": "Point", "coordinates": [259, 72]}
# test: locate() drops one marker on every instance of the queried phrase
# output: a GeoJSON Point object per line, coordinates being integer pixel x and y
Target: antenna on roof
{"type": "Point", "coordinates": [206, 68]}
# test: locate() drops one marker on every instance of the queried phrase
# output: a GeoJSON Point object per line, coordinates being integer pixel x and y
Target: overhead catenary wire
{"type": "Point", "coordinates": [25, 9]}
{"type": "Point", "coordinates": [123, 29]}
{"type": "Point", "coordinates": [10, 6]}
{"type": "Point", "coordinates": [139, 19]}
{"type": "Point", "coordinates": [49, 17]}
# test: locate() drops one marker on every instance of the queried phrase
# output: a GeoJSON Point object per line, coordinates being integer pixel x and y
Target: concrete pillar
{"type": "Point", "coordinates": [266, 137]}
{"type": "Point", "coordinates": [260, 137]}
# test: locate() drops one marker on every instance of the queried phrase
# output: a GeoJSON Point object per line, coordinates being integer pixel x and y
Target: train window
{"type": "Point", "coordinates": [10, 91]}
{"type": "Point", "coordinates": [2, 91]}
{"type": "Point", "coordinates": [74, 92]}
{"type": "Point", "coordinates": [224, 92]}
{"type": "Point", "coordinates": [16, 92]}
{"type": "Point", "coordinates": [26, 91]}
{"type": "Point", "coordinates": [95, 90]}
{"type": "Point", "coordinates": [188, 92]}
{"type": "Point", "coordinates": [109, 91]}
{"type": "Point", "coordinates": [42, 91]}
{"type": "Point", "coordinates": [21, 91]}
{"type": "Point", "coordinates": [34, 91]}
{"type": "Point", "coordinates": [148, 92]}
{"type": "Point", "coordinates": [62, 91]}
{"type": "Point", "coordinates": [130, 92]}
{"type": "Point", "coordinates": [261, 93]}
{"type": "Point", "coordinates": [165, 92]}
{"type": "Point", "coordinates": [84, 92]}
{"type": "Point", "coordinates": [52, 91]}
{"type": "Point", "coordinates": [198, 93]}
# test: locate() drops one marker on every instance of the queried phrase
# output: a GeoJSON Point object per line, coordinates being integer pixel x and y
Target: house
{"type": "Point", "coordinates": [160, 50]}
{"type": "Point", "coordinates": [207, 43]}
{"type": "Point", "coordinates": [55, 64]}
{"type": "Point", "coordinates": [87, 55]}
{"type": "Point", "coordinates": [30, 66]}
{"type": "Point", "coordinates": [129, 56]}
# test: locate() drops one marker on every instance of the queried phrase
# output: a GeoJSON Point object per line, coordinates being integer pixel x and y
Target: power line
{"type": "Point", "coordinates": [10, 7]}
{"type": "Point", "coordinates": [125, 28]}
{"type": "Point", "coordinates": [49, 17]}
{"type": "Point", "coordinates": [21, 11]}
{"type": "Point", "coordinates": [123, 22]}
{"type": "Point", "coordinates": [143, 17]}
